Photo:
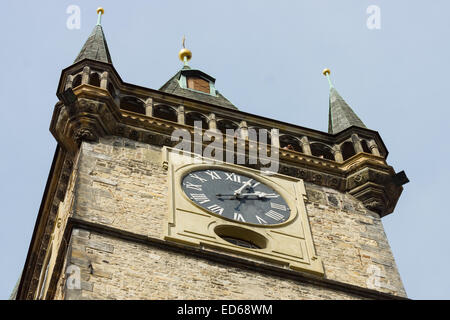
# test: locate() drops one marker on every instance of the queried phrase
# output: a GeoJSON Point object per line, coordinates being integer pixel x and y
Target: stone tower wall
{"type": "Point", "coordinates": [119, 197]}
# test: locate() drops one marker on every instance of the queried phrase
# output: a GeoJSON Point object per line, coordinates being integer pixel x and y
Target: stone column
{"type": "Point", "coordinates": [212, 123]}
{"type": "Point", "coordinates": [243, 130]}
{"type": "Point", "coordinates": [104, 80]}
{"type": "Point", "coordinates": [149, 107]}
{"type": "Point", "coordinates": [357, 143]}
{"type": "Point", "coordinates": [69, 82]}
{"type": "Point", "coordinates": [181, 114]}
{"type": "Point", "coordinates": [275, 137]}
{"type": "Point", "coordinates": [374, 148]}
{"type": "Point", "coordinates": [85, 75]}
{"type": "Point", "coordinates": [337, 154]}
{"type": "Point", "coordinates": [305, 146]}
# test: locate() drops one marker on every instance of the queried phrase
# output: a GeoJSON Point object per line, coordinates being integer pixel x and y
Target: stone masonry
{"type": "Point", "coordinates": [120, 183]}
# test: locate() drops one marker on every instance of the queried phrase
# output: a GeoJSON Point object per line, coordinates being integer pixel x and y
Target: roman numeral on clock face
{"type": "Point", "coordinates": [278, 206]}
{"type": "Point", "coordinates": [214, 175]}
{"type": "Point", "coordinates": [195, 176]}
{"type": "Point", "coordinates": [200, 197]}
{"type": "Point", "coordinates": [274, 215]}
{"type": "Point", "coordinates": [261, 220]}
{"type": "Point", "coordinates": [197, 187]}
{"type": "Point", "coordinates": [216, 209]}
{"type": "Point", "coordinates": [233, 177]}
{"type": "Point", "coordinates": [238, 217]}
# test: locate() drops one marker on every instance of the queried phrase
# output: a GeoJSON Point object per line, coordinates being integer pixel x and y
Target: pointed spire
{"type": "Point", "coordinates": [96, 47]}
{"type": "Point", "coordinates": [341, 116]}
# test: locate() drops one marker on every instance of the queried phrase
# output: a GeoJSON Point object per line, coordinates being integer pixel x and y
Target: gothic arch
{"type": "Point", "coordinates": [224, 124]}
{"type": "Point", "coordinates": [290, 143]}
{"type": "Point", "coordinates": [94, 79]}
{"type": "Point", "coordinates": [321, 150]}
{"type": "Point", "coordinates": [251, 135]}
{"type": "Point", "coordinates": [132, 104]}
{"type": "Point", "coordinates": [76, 81]}
{"type": "Point", "coordinates": [365, 146]}
{"type": "Point", "coordinates": [194, 116]}
{"type": "Point", "coordinates": [348, 150]}
{"type": "Point", "coordinates": [165, 112]}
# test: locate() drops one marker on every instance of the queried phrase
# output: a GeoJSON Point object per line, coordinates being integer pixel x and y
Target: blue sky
{"type": "Point", "coordinates": [267, 57]}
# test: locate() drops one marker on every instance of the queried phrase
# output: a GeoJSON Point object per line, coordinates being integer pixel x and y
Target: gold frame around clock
{"type": "Point", "coordinates": [287, 244]}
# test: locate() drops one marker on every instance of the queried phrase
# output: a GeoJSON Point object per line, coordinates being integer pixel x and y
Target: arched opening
{"type": "Point", "coordinates": [223, 125]}
{"type": "Point", "coordinates": [193, 117]}
{"type": "Point", "coordinates": [365, 146]}
{"type": "Point", "coordinates": [321, 150]}
{"type": "Point", "coordinates": [257, 134]}
{"type": "Point", "coordinates": [165, 112]}
{"type": "Point", "coordinates": [76, 81]}
{"type": "Point", "coordinates": [111, 90]}
{"type": "Point", "coordinates": [290, 143]}
{"type": "Point", "coordinates": [94, 79]}
{"type": "Point", "coordinates": [347, 150]}
{"type": "Point", "coordinates": [132, 104]}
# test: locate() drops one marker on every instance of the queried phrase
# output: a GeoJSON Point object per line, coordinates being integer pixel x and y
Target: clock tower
{"type": "Point", "coordinates": [175, 193]}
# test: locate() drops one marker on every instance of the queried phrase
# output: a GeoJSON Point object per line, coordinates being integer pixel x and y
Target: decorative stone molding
{"type": "Point", "coordinates": [78, 117]}
{"type": "Point", "coordinates": [90, 112]}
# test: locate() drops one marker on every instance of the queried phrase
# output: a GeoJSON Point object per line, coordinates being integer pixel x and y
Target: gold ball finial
{"type": "Point", "coordinates": [326, 72]}
{"type": "Point", "coordinates": [100, 10]}
{"type": "Point", "coordinates": [185, 53]}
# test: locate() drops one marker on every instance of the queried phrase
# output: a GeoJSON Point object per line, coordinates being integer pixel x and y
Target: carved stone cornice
{"type": "Point", "coordinates": [92, 113]}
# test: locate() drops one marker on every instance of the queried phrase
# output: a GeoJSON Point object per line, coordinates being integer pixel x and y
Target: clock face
{"type": "Point", "coordinates": [236, 196]}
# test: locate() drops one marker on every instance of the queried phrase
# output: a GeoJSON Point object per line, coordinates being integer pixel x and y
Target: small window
{"type": "Point", "coordinates": [94, 79]}
{"type": "Point", "coordinates": [223, 125]}
{"type": "Point", "coordinates": [166, 113]}
{"type": "Point", "coordinates": [290, 143]}
{"type": "Point", "coordinates": [258, 134]}
{"type": "Point", "coordinates": [193, 117]}
{"type": "Point", "coordinates": [321, 150]}
{"type": "Point", "coordinates": [76, 81]}
{"type": "Point", "coordinates": [198, 84]}
{"type": "Point", "coordinates": [132, 104]}
{"type": "Point", "coordinates": [347, 150]}
{"type": "Point", "coordinates": [240, 242]}
{"type": "Point", "coordinates": [241, 237]}
{"type": "Point", "coordinates": [365, 146]}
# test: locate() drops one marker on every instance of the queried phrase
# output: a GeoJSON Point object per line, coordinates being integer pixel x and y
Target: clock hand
{"type": "Point", "coordinates": [238, 191]}
{"type": "Point", "coordinates": [259, 194]}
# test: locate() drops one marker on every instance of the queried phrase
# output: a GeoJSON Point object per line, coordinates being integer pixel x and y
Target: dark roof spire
{"type": "Point", "coordinates": [341, 116]}
{"type": "Point", "coordinates": [96, 47]}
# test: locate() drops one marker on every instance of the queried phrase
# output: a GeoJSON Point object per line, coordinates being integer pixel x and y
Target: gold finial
{"type": "Point", "coordinates": [100, 12]}
{"type": "Point", "coordinates": [326, 72]}
{"type": "Point", "coordinates": [185, 54]}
